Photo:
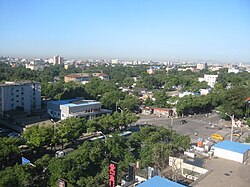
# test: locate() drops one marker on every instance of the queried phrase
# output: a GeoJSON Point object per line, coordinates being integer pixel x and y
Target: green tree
{"type": "Point", "coordinates": [234, 101]}
{"type": "Point", "coordinates": [160, 99]}
{"type": "Point", "coordinates": [38, 136]}
{"type": "Point", "coordinates": [8, 149]}
{"type": "Point", "coordinates": [70, 129]}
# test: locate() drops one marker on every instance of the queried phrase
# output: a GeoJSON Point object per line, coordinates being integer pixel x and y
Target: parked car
{"type": "Point", "coordinates": [183, 122]}
{"type": "Point", "coordinates": [14, 135]}
{"type": "Point", "coordinates": [217, 137]}
{"type": "Point", "coordinates": [63, 153]}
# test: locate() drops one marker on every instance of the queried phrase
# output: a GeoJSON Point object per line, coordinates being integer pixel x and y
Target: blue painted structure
{"type": "Point", "coordinates": [233, 146]}
{"type": "Point", "coordinates": [158, 181]}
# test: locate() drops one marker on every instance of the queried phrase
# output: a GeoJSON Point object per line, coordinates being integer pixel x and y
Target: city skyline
{"type": "Point", "coordinates": [147, 30]}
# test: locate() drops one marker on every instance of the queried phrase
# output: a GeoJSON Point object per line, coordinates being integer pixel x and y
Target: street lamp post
{"type": "Point", "coordinates": [232, 129]}
{"type": "Point", "coordinates": [105, 137]}
{"type": "Point", "coordinates": [100, 132]}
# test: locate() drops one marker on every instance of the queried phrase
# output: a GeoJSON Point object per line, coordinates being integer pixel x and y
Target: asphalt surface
{"type": "Point", "coordinates": [225, 173]}
{"type": "Point", "coordinates": [196, 126]}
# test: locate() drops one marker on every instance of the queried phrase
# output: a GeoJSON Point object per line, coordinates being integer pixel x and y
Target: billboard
{"type": "Point", "coordinates": [112, 174]}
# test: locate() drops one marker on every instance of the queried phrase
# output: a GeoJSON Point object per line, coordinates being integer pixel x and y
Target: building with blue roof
{"type": "Point", "coordinates": [62, 109]}
{"type": "Point", "coordinates": [158, 181]}
{"type": "Point", "coordinates": [235, 151]}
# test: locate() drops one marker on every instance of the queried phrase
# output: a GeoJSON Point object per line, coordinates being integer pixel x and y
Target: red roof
{"type": "Point", "coordinates": [248, 99]}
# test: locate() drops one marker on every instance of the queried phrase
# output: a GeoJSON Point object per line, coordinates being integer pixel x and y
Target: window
{"type": "Point", "coordinates": [17, 90]}
{"type": "Point", "coordinates": [17, 95]}
{"type": "Point", "coordinates": [12, 99]}
{"type": "Point", "coordinates": [21, 93]}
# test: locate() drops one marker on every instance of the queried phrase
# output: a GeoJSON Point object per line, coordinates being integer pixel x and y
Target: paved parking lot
{"type": "Point", "coordinates": [196, 126]}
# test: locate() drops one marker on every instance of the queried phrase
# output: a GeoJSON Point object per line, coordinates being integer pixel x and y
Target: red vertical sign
{"type": "Point", "coordinates": [112, 174]}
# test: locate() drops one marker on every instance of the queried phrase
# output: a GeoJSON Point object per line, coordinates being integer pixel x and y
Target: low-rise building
{"type": "Point", "coordinates": [205, 91]}
{"type": "Point", "coordinates": [84, 77]}
{"type": "Point", "coordinates": [101, 76]}
{"type": "Point", "coordinates": [210, 79]}
{"type": "Point", "coordinates": [36, 64]}
{"type": "Point", "coordinates": [233, 70]}
{"type": "Point", "coordinates": [235, 151]}
{"type": "Point", "coordinates": [163, 112]}
{"type": "Point", "coordinates": [157, 111]}
{"type": "Point", "coordinates": [185, 94]}
{"type": "Point", "coordinates": [77, 77]}
{"type": "Point", "coordinates": [63, 109]}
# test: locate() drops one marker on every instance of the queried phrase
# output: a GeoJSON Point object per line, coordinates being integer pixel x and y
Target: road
{"type": "Point", "coordinates": [198, 124]}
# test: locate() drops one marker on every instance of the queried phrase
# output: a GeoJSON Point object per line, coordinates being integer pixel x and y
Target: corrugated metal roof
{"type": "Point", "coordinates": [74, 102]}
{"type": "Point", "coordinates": [233, 146]}
{"type": "Point", "coordinates": [158, 181]}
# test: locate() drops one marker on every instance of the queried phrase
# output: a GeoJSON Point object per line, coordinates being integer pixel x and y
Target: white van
{"type": "Point", "coordinates": [63, 153]}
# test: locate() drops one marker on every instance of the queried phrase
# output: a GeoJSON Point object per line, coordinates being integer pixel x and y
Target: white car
{"type": "Point", "coordinates": [14, 135]}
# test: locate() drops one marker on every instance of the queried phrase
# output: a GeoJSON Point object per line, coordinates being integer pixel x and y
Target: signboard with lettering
{"type": "Point", "coordinates": [112, 174]}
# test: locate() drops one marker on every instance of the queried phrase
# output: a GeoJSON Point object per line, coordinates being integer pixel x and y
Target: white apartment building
{"type": "Point", "coordinates": [25, 95]}
{"type": "Point", "coordinates": [210, 79]}
{"type": "Point", "coordinates": [63, 109]}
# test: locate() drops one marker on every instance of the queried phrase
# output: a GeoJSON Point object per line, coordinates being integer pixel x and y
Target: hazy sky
{"type": "Point", "coordinates": [126, 29]}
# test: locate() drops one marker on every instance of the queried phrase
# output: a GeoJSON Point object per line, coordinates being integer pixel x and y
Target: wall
{"type": "Point", "coordinates": [226, 154]}
{"type": "Point", "coordinates": [178, 164]}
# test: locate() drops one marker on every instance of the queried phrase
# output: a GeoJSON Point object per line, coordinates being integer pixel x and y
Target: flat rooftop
{"type": "Point", "coordinates": [225, 173]}
{"type": "Point", "coordinates": [18, 83]}
{"type": "Point", "coordinates": [78, 75]}
{"type": "Point", "coordinates": [233, 146]}
{"type": "Point", "coordinates": [158, 181]}
{"type": "Point", "coordinates": [74, 102]}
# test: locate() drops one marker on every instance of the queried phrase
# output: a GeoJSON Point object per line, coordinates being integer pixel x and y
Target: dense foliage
{"type": "Point", "coordinates": [87, 166]}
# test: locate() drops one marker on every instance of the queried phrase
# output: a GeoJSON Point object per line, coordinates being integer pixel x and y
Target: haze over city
{"type": "Point", "coordinates": [147, 30]}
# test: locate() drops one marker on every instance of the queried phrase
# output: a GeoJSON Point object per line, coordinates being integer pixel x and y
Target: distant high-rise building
{"type": "Point", "coordinates": [58, 60]}
{"type": "Point", "coordinates": [201, 66]}
{"type": "Point", "coordinates": [25, 95]}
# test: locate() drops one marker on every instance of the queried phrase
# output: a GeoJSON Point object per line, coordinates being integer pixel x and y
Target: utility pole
{"type": "Point", "coordinates": [172, 121]}
{"type": "Point", "coordinates": [232, 129]}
